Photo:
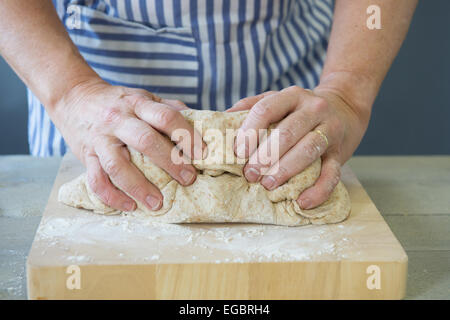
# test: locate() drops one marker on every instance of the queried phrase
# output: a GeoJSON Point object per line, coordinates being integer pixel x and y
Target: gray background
{"type": "Point", "coordinates": [411, 114]}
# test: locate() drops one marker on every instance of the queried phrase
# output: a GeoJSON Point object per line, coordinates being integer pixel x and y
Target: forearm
{"type": "Point", "coordinates": [36, 45]}
{"type": "Point", "coordinates": [358, 58]}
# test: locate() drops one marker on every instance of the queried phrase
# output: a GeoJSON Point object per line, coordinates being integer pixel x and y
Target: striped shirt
{"type": "Point", "coordinates": [207, 53]}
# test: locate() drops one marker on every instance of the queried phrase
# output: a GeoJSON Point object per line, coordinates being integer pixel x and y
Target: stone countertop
{"type": "Point", "coordinates": [411, 192]}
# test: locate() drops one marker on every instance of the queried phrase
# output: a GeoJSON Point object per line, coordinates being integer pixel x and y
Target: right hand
{"type": "Point", "coordinates": [98, 121]}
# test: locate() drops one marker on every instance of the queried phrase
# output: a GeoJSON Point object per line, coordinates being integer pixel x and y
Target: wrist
{"type": "Point", "coordinates": [357, 91]}
{"type": "Point", "coordinates": [68, 90]}
{"type": "Point", "coordinates": [64, 103]}
{"type": "Point", "coordinates": [352, 98]}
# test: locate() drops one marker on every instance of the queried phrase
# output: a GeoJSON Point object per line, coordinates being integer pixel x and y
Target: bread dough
{"type": "Point", "coordinates": [220, 193]}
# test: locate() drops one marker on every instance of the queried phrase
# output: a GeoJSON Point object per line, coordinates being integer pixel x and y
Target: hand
{"type": "Point", "coordinates": [99, 120]}
{"type": "Point", "coordinates": [313, 124]}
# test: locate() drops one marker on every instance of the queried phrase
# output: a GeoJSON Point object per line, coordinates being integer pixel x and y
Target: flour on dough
{"type": "Point", "coordinates": [220, 193]}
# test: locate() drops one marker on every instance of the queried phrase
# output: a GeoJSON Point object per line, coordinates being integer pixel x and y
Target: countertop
{"type": "Point", "coordinates": [411, 192]}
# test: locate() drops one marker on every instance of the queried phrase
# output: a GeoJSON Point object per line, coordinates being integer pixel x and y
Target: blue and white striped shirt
{"type": "Point", "coordinates": [207, 53]}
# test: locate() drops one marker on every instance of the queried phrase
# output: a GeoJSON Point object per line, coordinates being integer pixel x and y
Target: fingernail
{"type": "Point", "coordinates": [252, 174]}
{"type": "Point", "coordinates": [128, 206]}
{"type": "Point", "coordinates": [186, 176]}
{"type": "Point", "coordinates": [153, 202]}
{"type": "Point", "coordinates": [241, 151]}
{"type": "Point", "coordinates": [268, 182]}
{"type": "Point", "coordinates": [305, 203]}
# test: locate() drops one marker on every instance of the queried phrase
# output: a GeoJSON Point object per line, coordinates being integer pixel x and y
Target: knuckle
{"type": "Point", "coordinates": [101, 189]}
{"type": "Point", "coordinates": [153, 96]}
{"type": "Point", "coordinates": [137, 100]}
{"type": "Point", "coordinates": [265, 94]}
{"type": "Point", "coordinates": [286, 136]}
{"type": "Point", "coordinates": [178, 102]}
{"type": "Point", "coordinates": [136, 190]}
{"type": "Point", "coordinates": [295, 89]}
{"type": "Point", "coordinates": [147, 140]}
{"type": "Point", "coordinates": [111, 114]}
{"type": "Point", "coordinates": [282, 174]}
{"type": "Point", "coordinates": [318, 105]}
{"type": "Point", "coordinates": [95, 182]}
{"type": "Point", "coordinates": [320, 142]}
{"type": "Point", "coordinates": [260, 110]}
{"type": "Point", "coordinates": [142, 93]}
{"type": "Point", "coordinates": [112, 167]}
{"type": "Point", "coordinates": [122, 90]}
{"type": "Point", "coordinates": [311, 150]}
{"type": "Point", "coordinates": [108, 197]}
{"type": "Point", "coordinates": [165, 117]}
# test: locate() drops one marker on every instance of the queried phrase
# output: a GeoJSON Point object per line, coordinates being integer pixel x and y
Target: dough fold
{"type": "Point", "coordinates": [220, 193]}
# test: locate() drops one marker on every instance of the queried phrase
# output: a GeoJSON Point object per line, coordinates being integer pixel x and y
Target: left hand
{"type": "Point", "coordinates": [313, 124]}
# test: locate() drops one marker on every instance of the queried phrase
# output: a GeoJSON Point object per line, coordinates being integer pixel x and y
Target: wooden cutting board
{"type": "Point", "coordinates": [77, 254]}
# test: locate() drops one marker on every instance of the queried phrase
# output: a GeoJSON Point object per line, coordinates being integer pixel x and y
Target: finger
{"type": "Point", "coordinates": [175, 104]}
{"type": "Point", "coordinates": [172, 123]}
{"type": "Point", "coordinates": [286, 134]}
{"type": "Point", "coordinates": [297, 159]}
{"type": "Point", "coordinates": [142, 137]}
{"type": "Point", "coordinates": [115, 160]}
{"type": "Point", "coordinates": [248, 102]}
{"type": "Point", "coordinates": [266, 111]}
{"type": "Point", "coordinates": [101, 185]}
{"type": "Point", "coordinates": [324, 186]}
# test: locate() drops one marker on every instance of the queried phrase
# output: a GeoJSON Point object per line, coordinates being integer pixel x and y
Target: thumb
{"type": "Point", "coordinates": [249, 102]}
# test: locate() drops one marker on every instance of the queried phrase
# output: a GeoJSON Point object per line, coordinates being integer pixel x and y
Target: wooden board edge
{"type": "Point", "coordinates": [290, 281]}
